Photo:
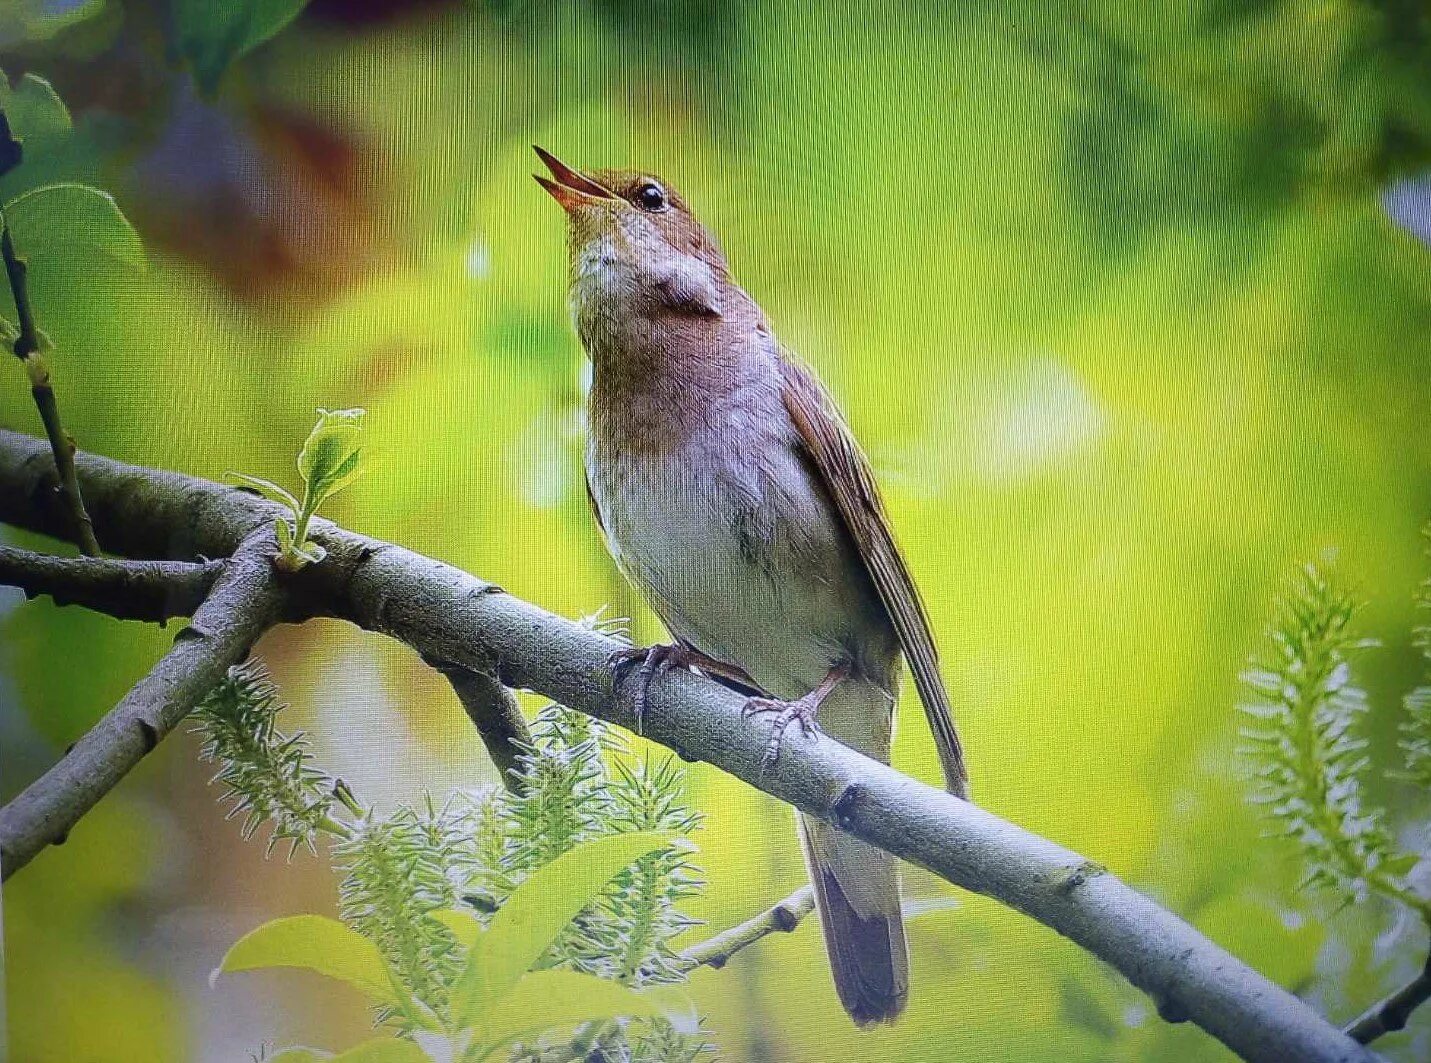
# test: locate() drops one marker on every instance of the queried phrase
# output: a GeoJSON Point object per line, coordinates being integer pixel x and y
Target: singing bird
{"type": "Point", "coordinates": [731, 493]}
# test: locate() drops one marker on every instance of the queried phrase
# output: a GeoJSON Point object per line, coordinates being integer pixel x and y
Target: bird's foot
{"type": "Point", "coordinates": [800, 711]}
{"type": "Point", "coordinates": [650, 662]}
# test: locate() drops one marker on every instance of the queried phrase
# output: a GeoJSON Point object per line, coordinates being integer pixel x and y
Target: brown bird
{"type": "Point", "coordinates": [730, 491]}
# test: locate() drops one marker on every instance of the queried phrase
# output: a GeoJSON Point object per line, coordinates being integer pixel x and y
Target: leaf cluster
{"type": "Point", "coordinates": [268, 776]}
{"type": "Point", "coordinates": [329, 461]}
{"type": "Point", "coordinates": [1307, 754]}
{"type": "Point", "coordinates": [492, 920]}
{"type": "Point", "coordinates": [1416, 728]}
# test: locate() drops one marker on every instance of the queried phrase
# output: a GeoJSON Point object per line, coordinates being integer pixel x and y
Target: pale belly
{"type": "Point", "coordinates": [748, 563]}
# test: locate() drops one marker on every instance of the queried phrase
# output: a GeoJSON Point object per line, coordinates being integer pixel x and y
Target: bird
{"type": "Point", "coordinates": [730, 491]}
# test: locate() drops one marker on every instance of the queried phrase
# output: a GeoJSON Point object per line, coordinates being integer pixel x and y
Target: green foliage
{"type": "Point", "coordinates": [269, 776]}
{"type": "Point", "coordinates": [497, 999]}
{"type": "Point", "coordinates": [398, 871]}
{"type": "Point", "coordinates": [34, 110]}
{"type": "Point", "coordinates": [1416, 728]}
{"type": "Point", "coordinates": [320, 944]}
{"type": "Point", "coordinates": [329, 461]}
{"type": "Point", "coordinates": [533, 916]}
{"type": "Point", "coordinates": [1309, 756]}
{"type": "Point", "coordinates": [213, 35]}
{"type": "Point", "coordinates": [495, 918]}
{"type": "Point", "coordinates": [1306, 746]}
{"type": "Point", "coordinates": [41, 20]}
{"type": "Point", "coordinates": [378, 1050]}
{"type": "Point", "coordinates": [628, 936]}
{"type": "Point", "coordinates": [1123, 343]}
{"type": "Point", "coordinates": [72, 220]}
{"type": "Point", "coordinates": [59, 221]}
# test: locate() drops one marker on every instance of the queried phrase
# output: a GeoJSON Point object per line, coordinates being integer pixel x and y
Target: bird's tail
{"type": "Point", "coordinates": [857, 896]}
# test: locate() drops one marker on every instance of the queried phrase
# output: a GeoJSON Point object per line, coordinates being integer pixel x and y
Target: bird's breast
{"type": "Point", "coordinates": [735, 549]}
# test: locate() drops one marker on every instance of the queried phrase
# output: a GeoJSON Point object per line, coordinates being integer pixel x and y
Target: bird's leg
{"type": "Point", "coordinates": [655, 661]}
{"type": "Point", "coordinates": [801, 710]}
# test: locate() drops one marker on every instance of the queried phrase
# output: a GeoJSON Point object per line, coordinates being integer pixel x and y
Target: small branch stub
{"type": "Point", "coordinates": [129, 590]}
{"type": "Point", "coordinates": [494, 711]}
{"type": "Point", "coordinates": [1389, 1015]}
{"type": "Point", "coordinates": [782, 918]}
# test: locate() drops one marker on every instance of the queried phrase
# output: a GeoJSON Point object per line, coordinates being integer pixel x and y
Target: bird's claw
{"type": "Point", "coordinates": [802, 711]}
{"type": "Point", "coordinates": [654, 662]}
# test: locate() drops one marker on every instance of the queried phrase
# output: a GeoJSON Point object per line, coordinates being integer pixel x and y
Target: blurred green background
{"type": "Point", "coordinates": [1127, 304]}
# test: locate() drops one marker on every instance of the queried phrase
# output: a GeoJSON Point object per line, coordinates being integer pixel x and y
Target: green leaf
{"type": "Point", "coordinates": [465, 926]}
{"type": "Point", "coordinates": [1401, 864]}
{"type": "Point", "coordinates": [213, 34]}
{"type": "Point", "coordinates": [383, 1050]}
{"type": "Point", "coordinates": [329, 459]}
{"type": "Point", "coordinates": [378, 1050]}
{"type": "Point", "coordinates": [536, 913]}
{"type": "Point", "coordinates": [543, 1000]}
{"type": "Point", "coordinates": [33, 109]}
{"type": "Point", "coordinates": [267, 488]}
{"type": "Point", "coordinates": [310, 553]}
{"type": "Point", "coordinates": [284, 532]}
{"type": "Point", "coordinates": [70, 218]}
{"type": "Point", "coordinates": [319, 944]}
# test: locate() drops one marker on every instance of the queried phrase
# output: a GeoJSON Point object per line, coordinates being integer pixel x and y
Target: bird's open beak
{"type": "Point", "coordinates": [571, 188]}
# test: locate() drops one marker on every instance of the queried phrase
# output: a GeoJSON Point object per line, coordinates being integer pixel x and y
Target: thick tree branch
{"type": "Point", "coordinates": [447, 615]}
{"type": "Point", "coordinates": [244, 602]}
{"type": "Point", "coordinates": [1389, 1015]}
{"type": "Point", "coordinates": [129, 590]}
{"type": "Point", "coordinates": [782, 918]}
{"type": "Point", "coordinates": [493, 709]}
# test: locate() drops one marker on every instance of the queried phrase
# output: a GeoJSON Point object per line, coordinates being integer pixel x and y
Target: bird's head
{"type": "Point", "coordinates": [629, 223]}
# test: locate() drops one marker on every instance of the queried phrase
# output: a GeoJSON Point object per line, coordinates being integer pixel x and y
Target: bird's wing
{"type": "Point", "coordinates": [845, 473]}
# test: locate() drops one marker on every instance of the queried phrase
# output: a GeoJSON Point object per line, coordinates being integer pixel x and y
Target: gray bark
{"type": "Point", "coordinates": [130, 590]}
{"type": "Point", "coordinates": [453, 618]}
{"type": "Point", "coordinates": [242, 605]}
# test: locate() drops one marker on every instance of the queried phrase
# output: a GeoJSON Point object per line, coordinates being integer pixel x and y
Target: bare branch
{"type": "Point", "coordinates": [29, 349]}
{"type": "Point", "coordinates": [128, 590]}
{"type": "Point", "coordinates": [1389, 1015]}
{"type": "Point", "coordinates": [447, 615]}
{"type": "Point", "coordinates": [780, 918]}
{"type": "Point", "coordinates": [493, 709]}
{"type": "Point", "coordinates": [243, 604]}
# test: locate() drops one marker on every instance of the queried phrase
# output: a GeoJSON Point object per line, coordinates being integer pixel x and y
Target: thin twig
{"type": "Point", "coordinates": [1389, 1015]}
{"type": "Point", "coordinates": [494, 711]}
{"type": "Point", "coordinates": [243, 604]}
{"type": "Point", "coordinates": [781, 918]}
{"type": "Point", "coordinates": [29, 349]}
{"type": "Point", "coordinates": [446, 614]}
{"type": "Point", "coordinates": [129, 590]}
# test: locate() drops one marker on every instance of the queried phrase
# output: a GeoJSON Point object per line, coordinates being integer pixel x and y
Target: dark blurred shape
{"type": "Point", "coordinates": [266, 199]}
{"type": "Point", "coordinates": [374, 12]}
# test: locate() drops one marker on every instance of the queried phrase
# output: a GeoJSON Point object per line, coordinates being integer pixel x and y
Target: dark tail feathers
{"type": "Point", "coordinates": [868, 955]}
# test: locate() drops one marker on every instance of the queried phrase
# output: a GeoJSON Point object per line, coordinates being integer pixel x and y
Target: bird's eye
{"type": "Point", "coordinates": [651, 197]}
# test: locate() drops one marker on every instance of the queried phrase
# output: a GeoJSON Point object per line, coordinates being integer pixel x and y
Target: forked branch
{"type": "Point", "coordinates": [243, 604]}
{"type": "Point", "coordinates": [447, 615]}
